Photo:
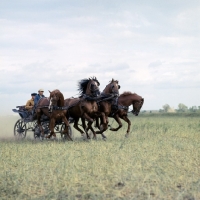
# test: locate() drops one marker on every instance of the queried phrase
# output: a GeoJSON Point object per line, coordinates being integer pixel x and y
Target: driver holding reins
{"type": "Point", "coordinates": [38, 96]}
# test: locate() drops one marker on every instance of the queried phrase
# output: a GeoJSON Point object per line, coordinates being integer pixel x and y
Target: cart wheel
{"type": "Point", "coordinates": [63, 136]}
{"type": "Point", "coordinates": [37, 132]}
{"type": "Point", "coordinates": [20, 129]}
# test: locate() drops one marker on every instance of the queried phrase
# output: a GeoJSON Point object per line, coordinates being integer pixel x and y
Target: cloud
{"type": "Point", "coordinates": [155, 64]}
{"type": "Point", "coordinates": [149, 47]}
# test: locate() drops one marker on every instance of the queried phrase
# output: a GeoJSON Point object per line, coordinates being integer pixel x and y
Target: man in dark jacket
{"type": "Point", "coordinates": [38, 96]}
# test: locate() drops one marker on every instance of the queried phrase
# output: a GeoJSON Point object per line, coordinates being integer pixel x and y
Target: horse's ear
{"type": "Point", "coordinates": [49, 91]}
{"type": "Point", "coordinates": [112, 80]}
{"type": "Point", "coordinates": [119, 86]}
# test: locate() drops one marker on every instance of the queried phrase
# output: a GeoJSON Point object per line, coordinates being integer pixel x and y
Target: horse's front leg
{"type": "Point", "coordinates": [97, 123]}
{"type": "Point", "coordinates": [51, 127]}
{"type": "Point", "coordinates": [87, 117]}
{"type": "Point", "coordinates": [89, 126]}
{"type": "Point", "coordinates": [103, 126]}
{"type": "Point", "coordinates": [64, 119]}
{"type": "Point", "coordinates": [126, 119]}
{"type": "Point", "coordinates": [116, 117]}
{"type": "Point", "coordinates": [83, 123]}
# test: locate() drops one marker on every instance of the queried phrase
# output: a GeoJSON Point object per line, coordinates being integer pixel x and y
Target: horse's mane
{"type": "Point", "coordinates": [82, 84]}
{"type": "Point", "coordinates": [113, 81]}
{"type": "Point", "coordinates": [126, 93]}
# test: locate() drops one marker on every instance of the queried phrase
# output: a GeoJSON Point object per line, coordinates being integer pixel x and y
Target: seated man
{"type": "Point", "coordinates": [30, 103]}
{"type": "Point", "coordinates": [38, 96]}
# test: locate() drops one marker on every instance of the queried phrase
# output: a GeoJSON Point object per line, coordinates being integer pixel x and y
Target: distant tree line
{"type": "Point", "coordinates": [181, 108]}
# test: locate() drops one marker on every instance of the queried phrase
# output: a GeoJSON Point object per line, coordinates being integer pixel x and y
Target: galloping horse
{"type": "Point", "coordinates": [109, 95]}
{"type": "Point", "coordinates": [124, 101]}
{"type": "Point", "coordinates": [57, 112]}
{"type": "Point", "coordinates": [45, 108]}
{"type": "Point", "coordinates": [84, 107]}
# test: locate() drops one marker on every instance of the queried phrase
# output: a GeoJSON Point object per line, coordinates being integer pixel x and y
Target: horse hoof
{"type": "Point", "coordinates": [127, 135]}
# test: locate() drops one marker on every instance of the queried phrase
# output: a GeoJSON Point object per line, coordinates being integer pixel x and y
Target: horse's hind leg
{"type": "Point", "coordinates": [77, 127]}
{"type": "Point", "coordinates": [126, 119]}
{"type": "Point", "coordinates": [64, 119]}
{"type": "Point", "coordinates": [116, 117]}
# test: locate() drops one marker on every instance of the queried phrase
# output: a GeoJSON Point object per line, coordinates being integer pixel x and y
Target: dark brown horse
{"type": "Point", "coordinates": [57, 112]}
{"type": "Point", "coordinates": [90, 109]}
{"type": "Point", "coordinates": [109, 95]}
{"type": "Point", "coordinates": [124, 101]}
{"type": "Point", "coordinates": [84, 107]}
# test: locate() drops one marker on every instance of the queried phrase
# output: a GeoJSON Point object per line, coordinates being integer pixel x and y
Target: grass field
{"type": "Point", "coordinates": [160, 160]}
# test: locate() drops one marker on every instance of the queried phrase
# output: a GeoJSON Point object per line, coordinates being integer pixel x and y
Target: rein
{"type": "Point", "coordinates": [41, 107]}
{"type": "Point", "coordinates": [65, 107]}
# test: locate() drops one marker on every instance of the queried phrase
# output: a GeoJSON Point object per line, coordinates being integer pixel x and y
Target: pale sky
{"type": "Point", "coordinates": [152, 47]}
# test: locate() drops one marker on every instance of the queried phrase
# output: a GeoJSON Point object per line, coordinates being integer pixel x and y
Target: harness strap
{"type": "Point", "coordinates": [123, 107]}
{"type": "Point", "coordinates": [65, 107]}
{"type": "Point", "coordinates": [42, 107]}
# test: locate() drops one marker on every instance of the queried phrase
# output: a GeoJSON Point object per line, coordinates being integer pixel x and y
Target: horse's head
{"type": "Point", "coordinates": [89, 87]}
{"type": "Point", "coordinates": [137, 105]}
{"type": "Point", "coordinates": [112, 88]}
{"type": "Point", "coordinates": [56, 99]}
{"type": "Point", "coordinates": [93, 87]}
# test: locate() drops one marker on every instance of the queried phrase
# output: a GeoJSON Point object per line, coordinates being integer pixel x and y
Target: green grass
{"type": "Point", "coordinates": [160, 160]}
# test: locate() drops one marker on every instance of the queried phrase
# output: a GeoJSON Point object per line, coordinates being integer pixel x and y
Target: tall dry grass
{"type": "Point", "coordinates": [160, 160]}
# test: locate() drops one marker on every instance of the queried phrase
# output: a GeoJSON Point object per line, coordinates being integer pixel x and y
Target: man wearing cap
{"type": "Point", "coordinates": [38, 96]}
{"type": "Point", "coordinates": [30, 103]}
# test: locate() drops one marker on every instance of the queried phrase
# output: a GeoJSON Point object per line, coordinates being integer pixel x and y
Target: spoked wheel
{"type": "Point", "coordinates": [37, 132]}
{"type": "Point", "coordinates": [20, 129]}
{"type": "Point", "coordinates": [63, 136]}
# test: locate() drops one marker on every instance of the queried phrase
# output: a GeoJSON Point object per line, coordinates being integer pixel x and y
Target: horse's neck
{"type": "Point", "coordinates": [106, 90]}
{"type": "Point", "coordinates": [126, 100]}
{"type": "Point", "coordinates": [61, 101]}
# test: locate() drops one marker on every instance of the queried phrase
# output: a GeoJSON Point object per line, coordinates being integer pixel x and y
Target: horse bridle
{"type": "Point", "coordinates": [135, 112]}
{"type": "Point", "coordinates": [95, 92]}
{"type": "Point", "coordinates": [51, 107]}
{"type": "Point", "coordinates": [112, 90]}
